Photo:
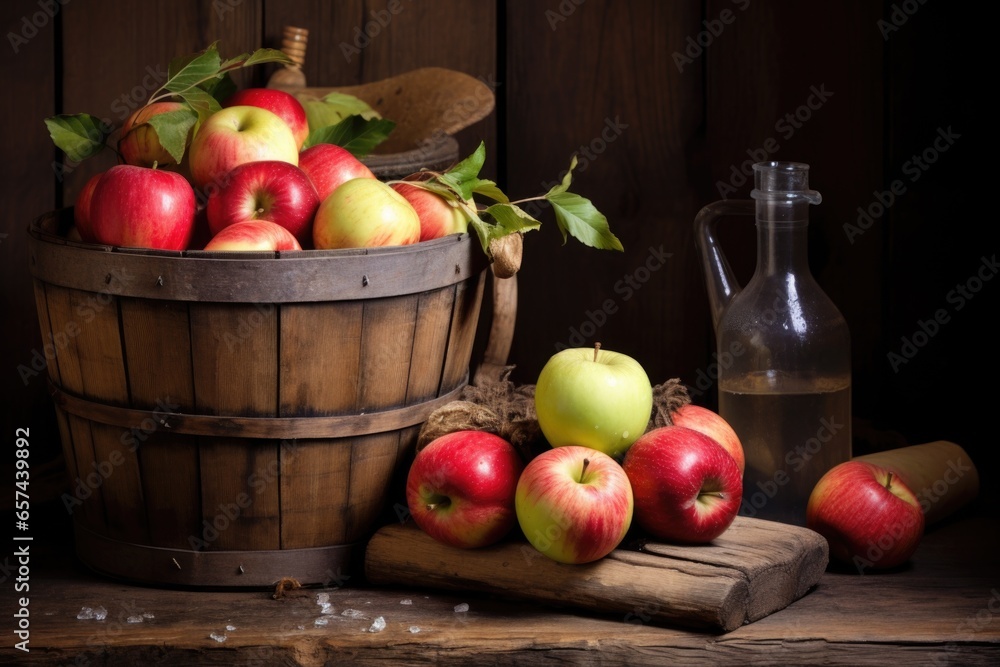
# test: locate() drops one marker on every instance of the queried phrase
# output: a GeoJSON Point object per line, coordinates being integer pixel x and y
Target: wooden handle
{"type": "Point", "coordinates": [501, 335]}
{"type": "Point", "coordinates": [940, 473]}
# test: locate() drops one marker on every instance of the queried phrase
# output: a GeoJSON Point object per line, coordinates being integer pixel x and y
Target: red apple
{"type": "Point", "coordinates": [139, 143]}
{"type": "Point", "coordinates": [141, 207]}
{"type": "Point", "coordinates": [282, 104]}
{"type": "Point", "coordinates": [81, 209]}
{"type": "Point", "coordinates": [867, 515]}
{"type": "Point", "coordinates": [329, 165]}
{"type": "Point", "coordinates": [714, 426]}
{"type": "Point", "coordinates": [437, 217]}
{"type": "Point", "coordinates": [265, 190]}
{"type": "Point", "coordinates": [234, 136]}
{"type": "Point", "coordinates": [460, 488]}
{"type": "Point", "coordinates": [687, 487]}
{"type": "Point", "coordinates": [254, 235]}
{"type": "Point", "coordinates": [574, 504]}
{"type": "Point", "coordinates": [365, 213]}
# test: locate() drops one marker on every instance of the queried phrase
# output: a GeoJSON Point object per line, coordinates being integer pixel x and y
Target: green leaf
{"type": "Point", "coordinates": [464, 176]}
{"type": "Point", "coordinates": [567, 179]}
{"type": "Point", "coordinates": [221, 88]}
{"type": "Point", "coordinates": [173, 130]}
{"type": "Point", "coordinates": [79, 136]}
{"type": "Point", "coordinates": [354, 133]}
{"type": "Point", "coordinates": [261, 56]}
{"type": "Point", "coordinates": [334, 108]}
{"type": "Point", "coordinates": [512, 218]}
{"type": "Point", "coordinates": [199, 69]}
{"type": "Point", "coordinates": [490, 189]}
{"type": "Point", "coordinates": [579, 218]}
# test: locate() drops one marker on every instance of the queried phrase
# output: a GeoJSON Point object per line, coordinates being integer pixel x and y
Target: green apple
{"type": "Point", "coordinates": [594, 398]}
{"type": "Point", "coordinates": [365, 213]}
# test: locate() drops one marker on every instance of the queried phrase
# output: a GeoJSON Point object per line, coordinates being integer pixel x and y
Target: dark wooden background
{"type": "Point", "coordinates": [669, 98]}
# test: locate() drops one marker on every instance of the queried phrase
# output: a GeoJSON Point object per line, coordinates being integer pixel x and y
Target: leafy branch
{"type": "Point", "coordinates": [575, 215]}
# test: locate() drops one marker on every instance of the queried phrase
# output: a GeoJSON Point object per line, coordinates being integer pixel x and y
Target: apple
{"type": "Point", "coordinates": [437, 217]}
{"type": "Point", "coordinates": [81, 208]}
{"type": "Point", "coordinates": [265, 190]}
{"type": "Point", "coordinates": [234, 136]}
{"type": "Point", "coordinates": [281, 103]}
{"type": "Point", "coordinates": [254, 235]}
{"type": "Point", "coordinates": [329, 165]}
{"type": "Point", "coordinates": [365, 213]}
{"type": "Point", "coordinates": [593, 397]}
{"type": "Point", "coordinates": [139, 144]}
{"type": "Point", "coordinates": [460, 488]}
{"type": "Point", "coordinates": [714, 426]}
{"type": "Point", "coordinates": [687, 487]}
{"type": "Point", "coordinates": [869, 517]}
{"type": "Point", "coordinates": [574, 504]}
{"type": "Point", "coordinates": [142, 207]}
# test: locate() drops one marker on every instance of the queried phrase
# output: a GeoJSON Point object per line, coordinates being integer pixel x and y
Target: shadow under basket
{"type": "Point", "coordinates": [230, 419]}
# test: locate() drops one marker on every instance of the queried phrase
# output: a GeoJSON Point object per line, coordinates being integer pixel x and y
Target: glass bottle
{"type": "Point", "coordinates": [786, 385]}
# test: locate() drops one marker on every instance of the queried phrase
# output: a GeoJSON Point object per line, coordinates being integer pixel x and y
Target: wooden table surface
{"type": "Point", "coordinates": [944, 608]}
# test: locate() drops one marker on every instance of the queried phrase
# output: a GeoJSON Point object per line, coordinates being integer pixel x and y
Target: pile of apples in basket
{"type": "Point", "coordinates": [205, 166]}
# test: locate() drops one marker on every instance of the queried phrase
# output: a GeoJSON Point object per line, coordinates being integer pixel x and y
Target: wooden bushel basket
{"type": "Point", "coordinates": [229, 419]}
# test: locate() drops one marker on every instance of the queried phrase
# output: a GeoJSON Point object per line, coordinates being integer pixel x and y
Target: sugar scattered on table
{"type": "Point", "coordinates": [378, 625]}
{"type": "Point", "coordinates": [459, 608]}
{"type": "Point", "coordinates": [85, 614]}
{"type": "Point", "coordinates": [353, 613]}
{"type": "Point", "coordinates": [219, 637]}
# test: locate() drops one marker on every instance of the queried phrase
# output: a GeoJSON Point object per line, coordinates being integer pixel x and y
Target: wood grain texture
{"type": "Point", "coordinates": [752, 570]}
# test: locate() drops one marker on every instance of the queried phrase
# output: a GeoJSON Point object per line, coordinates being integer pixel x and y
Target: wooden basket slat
{"type": "Point", "coordinates": [41, 305]}
{"type": "Point", "coordinates": [88, 485]}
{"type": "Point", "coordinates": [430, 342]}
{"type": "Point", "coordinates": [240, 494]}
{"type": "Point", "coordinates": [315, 493]}
{"type": "Point", "coordinates": [172, 502]}
{"type": "Point", "coordinates": [158, 354]}
{"type": "Point", "coordinates": [373, 462]}
{"type": "Point", "coordinates": [386, 346]}
{"type": "Point", "coordinates": [121, 491]}
{"type": "Point", "coordinates": [62, 323]}
{"type": "Point", "coordinates": [462, 336]}
{"type": "Point", "coordinates": [320, 355]}
{"type": "Point", "coordinates": [99, 346]}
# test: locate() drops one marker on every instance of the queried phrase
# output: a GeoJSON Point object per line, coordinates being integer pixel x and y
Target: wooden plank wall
{"type": "Point", "coordinates": [664, 102]}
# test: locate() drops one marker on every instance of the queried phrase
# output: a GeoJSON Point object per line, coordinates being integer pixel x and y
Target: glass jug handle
{"type": "Point", "coordinates": [721, 282]}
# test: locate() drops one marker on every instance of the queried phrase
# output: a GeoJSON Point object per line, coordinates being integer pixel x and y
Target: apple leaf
{"type": "Point", "coordinates": [79, 136]}
{"type": "Point", "coordinates": [173, 130]}
{"type": "Point", "coordinates": [200, 68]}
{"type": "Point", "coordinates": [354, 133]}
{"type": "Point", "coordinates": [464, 176]}
{"type": "Point", "coordinates": [577, 216]}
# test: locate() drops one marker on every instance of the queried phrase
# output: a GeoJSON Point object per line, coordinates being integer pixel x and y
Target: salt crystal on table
{"type": "Point", "coordinates": [352, 613]}
{"type": "Point", "coordinates": [146, 614]}
{"type": "Point", "coordinates": [100, 614]}
{"type": "Point", "coordinates": [86, 613]}
{"type": "Point", "coordinates": [134, 619]}
{"type": "Point", "coordinates": [414, 629]}
{"type": "Point", "coordinates": [378, 625]}
{"type": "Point", "coordinates": [406, 601]}
{"type": "Point", "coordinates": [321, 621]}
{"type": "Point", "coordinates": [218, 637]}
{"type": "Point", "coordinates": [459, 608]}
{"type": "Point", "coordinates": [230, 628]}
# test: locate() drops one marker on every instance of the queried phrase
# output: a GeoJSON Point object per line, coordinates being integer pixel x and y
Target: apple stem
{"type": "Point", "coordinates": [583, 471]}
{"type": "Point", "coordinates": [888, 481]}
{"type": "Point", "coordinates": [597, 348]}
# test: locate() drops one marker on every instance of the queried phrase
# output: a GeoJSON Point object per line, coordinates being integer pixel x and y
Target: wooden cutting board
{"type": "Point", "coordinates": [753, 569]}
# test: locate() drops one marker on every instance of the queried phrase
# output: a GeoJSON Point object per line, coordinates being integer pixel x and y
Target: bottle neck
{"type": "Point", "coordinates": [782, 235]}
